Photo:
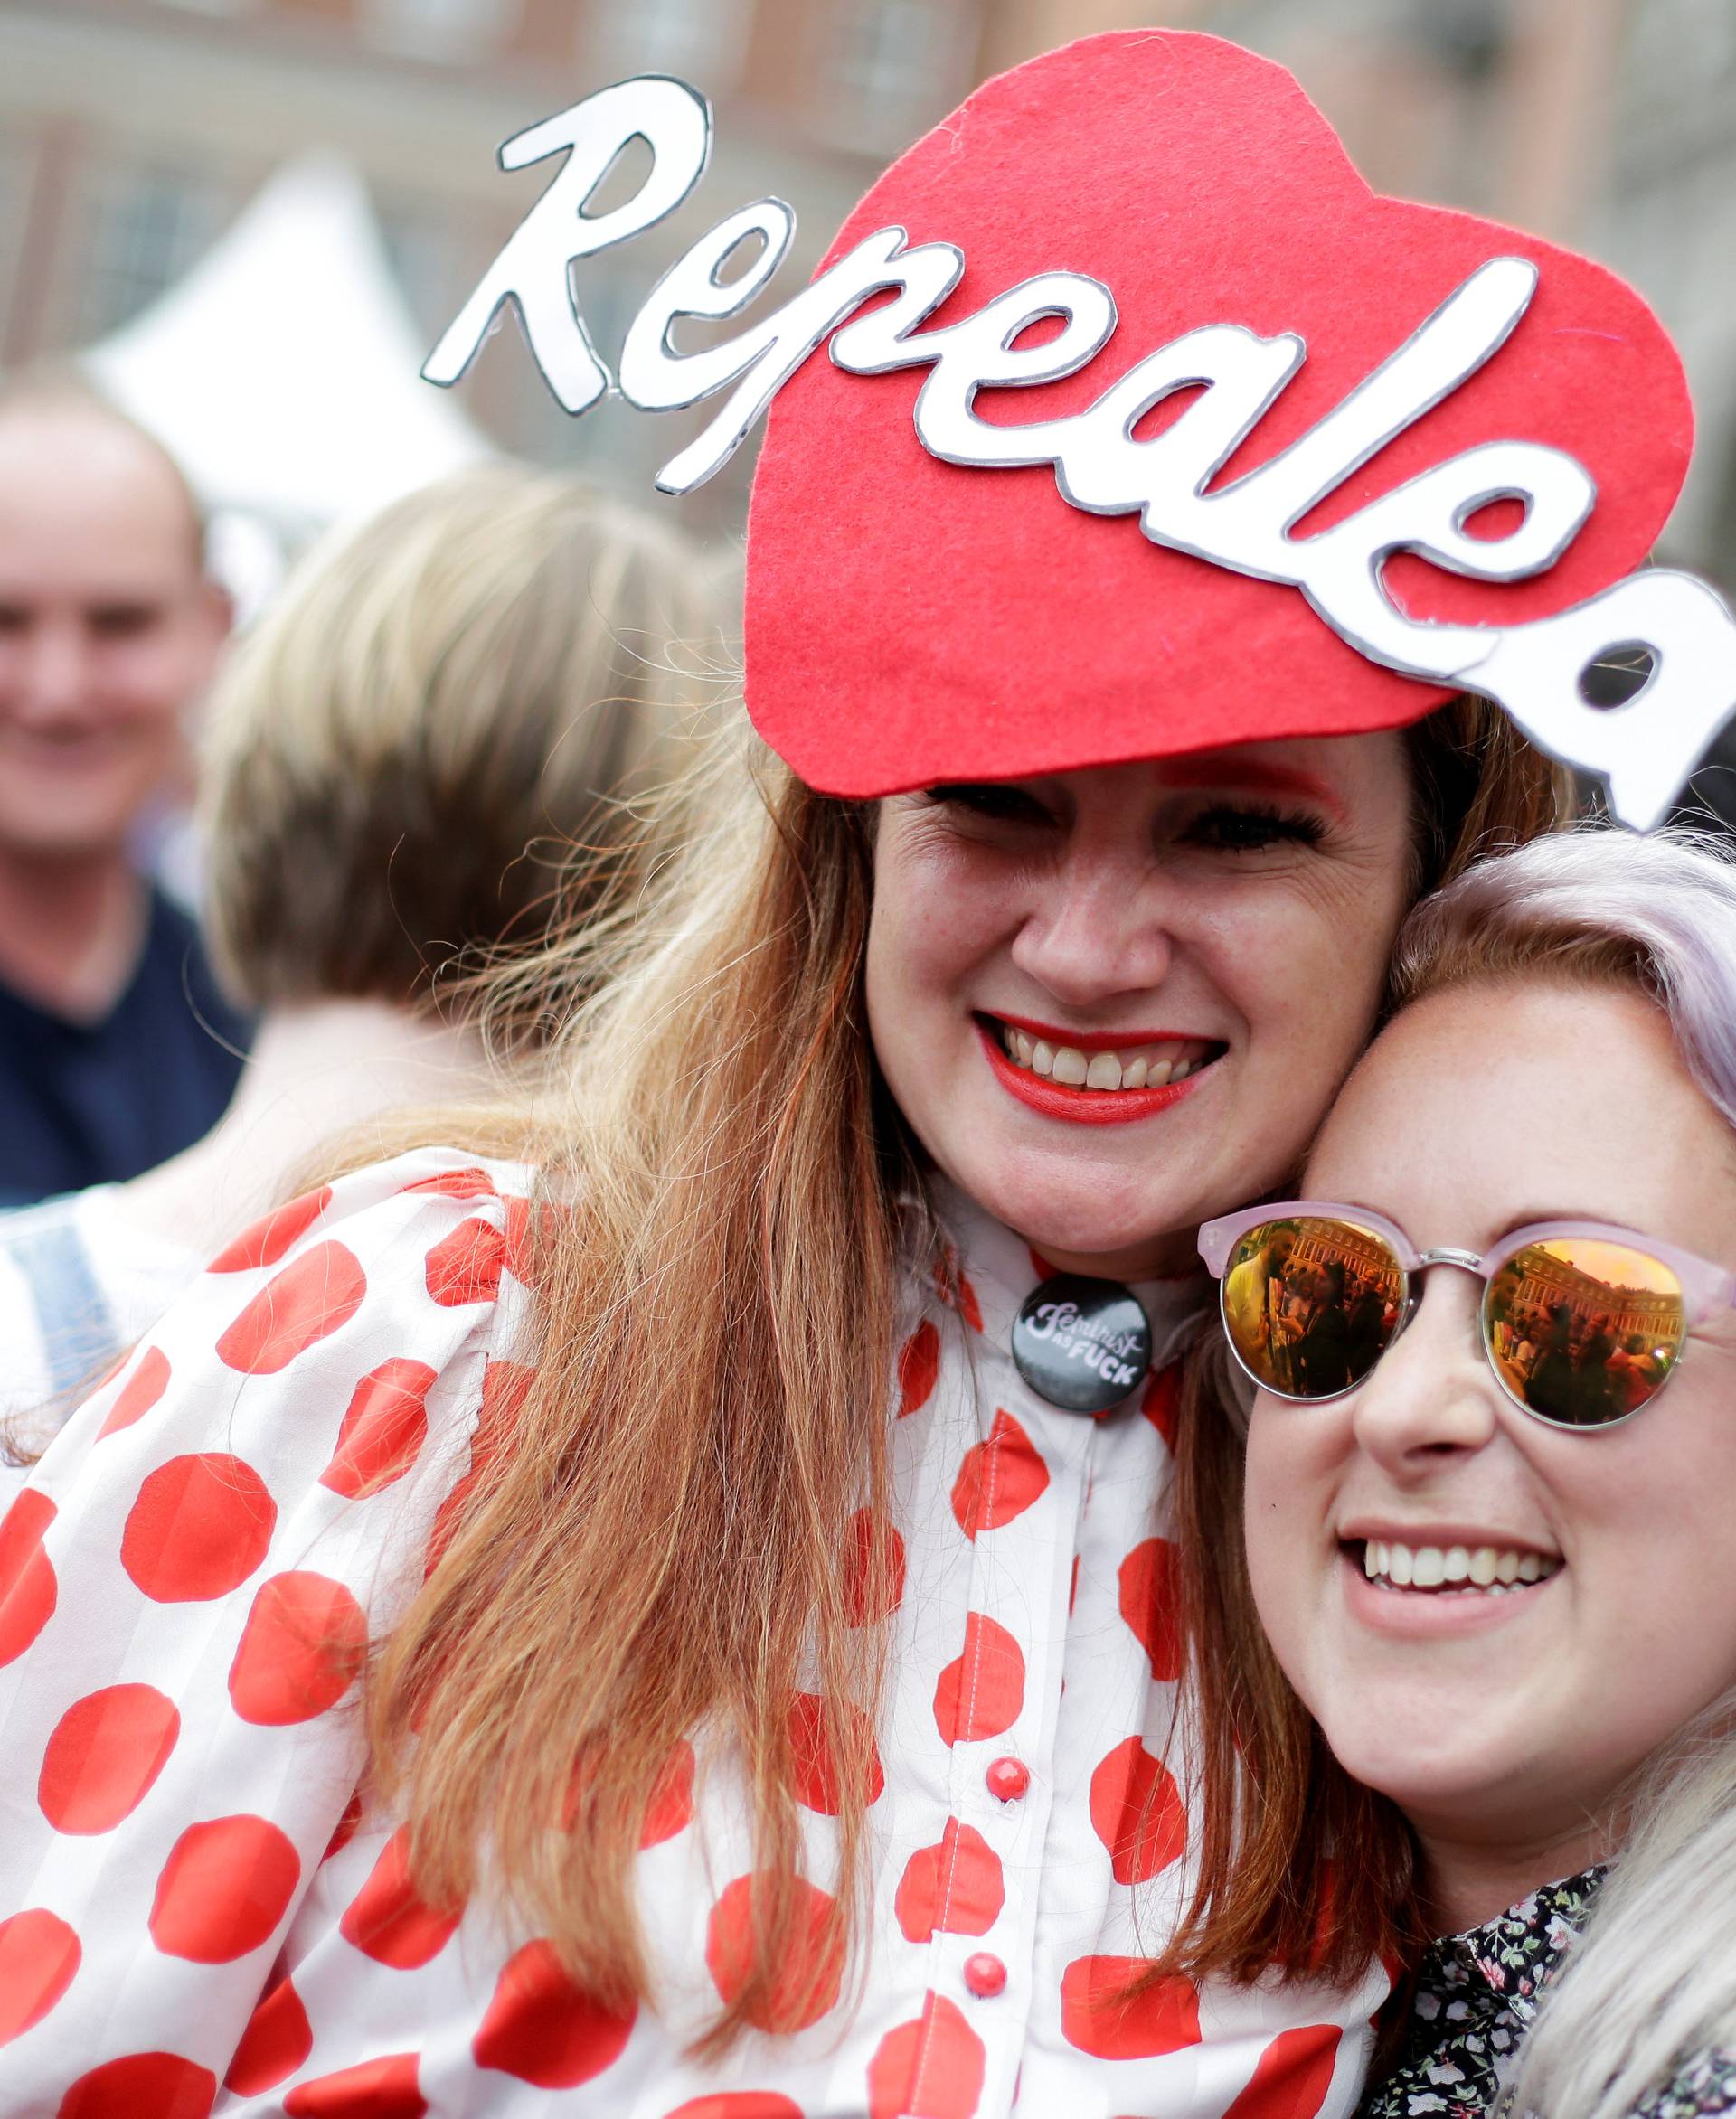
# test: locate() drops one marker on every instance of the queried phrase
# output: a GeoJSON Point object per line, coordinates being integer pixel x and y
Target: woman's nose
{"type": "Point", "coordinates": [1431, 1395]}
{"type": "Point", "coordinates": [1097, 929]}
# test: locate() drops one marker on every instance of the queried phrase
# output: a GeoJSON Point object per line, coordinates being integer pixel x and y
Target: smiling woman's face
{"type": "Point", "coordinates": [1506, 1721]}
{"type": "Point", "coordinates": [1216, 926]}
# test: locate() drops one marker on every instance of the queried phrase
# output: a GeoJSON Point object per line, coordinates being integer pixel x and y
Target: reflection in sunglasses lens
{"type": "Point", "coordinates": [1581, 1331]}
{"type": "Point", "coordinates": [1311, 1304]}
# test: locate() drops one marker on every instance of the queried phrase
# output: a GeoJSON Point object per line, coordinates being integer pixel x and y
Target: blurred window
{"type": "Point", "coordinates": [703, 42]}
{"type": "Point", "coordinates": [150, 225]}
{"type": "Point", "coordinates": [897, 64]}
{"type": "Point", "coordinates": [446, 31]}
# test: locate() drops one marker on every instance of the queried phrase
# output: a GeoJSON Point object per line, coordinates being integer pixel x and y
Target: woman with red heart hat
{"type": "Point", "coordinates": [666, 1610]}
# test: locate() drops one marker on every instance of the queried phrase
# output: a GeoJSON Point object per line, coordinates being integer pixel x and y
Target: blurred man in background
{"type": "Point", "coordinates": [115, 1049]}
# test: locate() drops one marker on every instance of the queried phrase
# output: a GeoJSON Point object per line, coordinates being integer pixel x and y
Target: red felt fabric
{"type": "Point", "coordinates": [910, 620]}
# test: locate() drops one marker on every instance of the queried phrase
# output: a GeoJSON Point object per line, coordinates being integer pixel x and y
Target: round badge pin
{"type": "Point", "coordinates": [1083, 1344]}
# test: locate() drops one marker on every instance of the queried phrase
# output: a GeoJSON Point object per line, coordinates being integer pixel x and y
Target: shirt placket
{"type": "Point", "coordinates": [1020, 1578]}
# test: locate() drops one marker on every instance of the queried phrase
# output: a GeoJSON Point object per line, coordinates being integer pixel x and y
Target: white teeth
{"type": "Point", "coordinates": [1107, 1072]}
{"type": "Point", "coordinates": [1430, 1567]}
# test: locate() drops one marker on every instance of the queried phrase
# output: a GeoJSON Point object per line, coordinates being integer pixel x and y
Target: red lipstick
{"type": "Point", "coordinates": [1054, 1099]}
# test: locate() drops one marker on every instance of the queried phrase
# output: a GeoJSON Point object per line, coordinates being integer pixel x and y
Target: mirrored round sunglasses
{"type": "Point", "coordinates": [1582, 1324]}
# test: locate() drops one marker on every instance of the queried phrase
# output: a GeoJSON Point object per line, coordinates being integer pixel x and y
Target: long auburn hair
{"type": "Point", "coordinates": [654, 1547]}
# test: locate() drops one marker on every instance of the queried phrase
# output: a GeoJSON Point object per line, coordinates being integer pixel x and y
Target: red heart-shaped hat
{"type": "Point", "coordinates": [910, 620]}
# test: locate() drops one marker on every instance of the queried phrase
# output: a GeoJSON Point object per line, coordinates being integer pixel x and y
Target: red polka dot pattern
{"type": "Point", "coordinates": [670, 1810]}
{"type": "Point", "coordinates": [27, 1586]}
{"type": "Point", "coordinates": [259, 1503]}
{"type": "Point", "coordinates": [1137, 1812]}
{"type": "Point", "coordinates": [738, 2104]}
{"type": "Point", "coordinates": [272, 1235]}
{"type": "Point", "coordinates": [805, 1984]}
{"type": "Point", "coordinates": [918, 1367]}
{"type": "Point", "coordinates": [225, 1888]}
{"type": "Point", "coordinates": [143, 2085]}
{"type": "Point", "coordinates": [873, 1569]}
{"type": "Point", "coordinates": [998, 1480]}
{"type": "Point", "coordinates": [956, 1290]}
{"type": "Point", "coordinates": [39, 1959]}
{"type": "Point", "coordinates": [388, 1921]}
{"type": "Point", "coordinates": [544, 2029]}
{"type": "Point", "coordinates": [980, 1692]}
{"type": "Point", "coordinates": [300, 1652]}
{"type": "Point", "coordinates": [278, 2039]}
{"type": "Point", "coordinates": [309, 1300]}
{"type": "Point", "coordinates": [929, 2069]}
{"type": "Point", "coordinates": [1294, 2074]}
{"type": "Point", "coordinates": [1100, 2014]}
{"type": "Point", "coordinates": [139, 1393]}
{"type": "Point", "coordinates": [385, 2088]}
{"type": "Point", "coordinates": [817, 1776]}
{"type": "Point", "coordinates": [465, 1266]}
{"type": "Point", "coordinates": [382, 1430]}
{"type": "Point", "coordinates": [956, 1886]}
{"type": "Point", "coordinates": [470, 1184]}
{"type": "Point", "coordinates": [200, 1527]}
{"type": "Point", "coordinates": [504, 1387]}
{"type": "Point", "coordinates": [1146, 1579]}
{"type": "Point", "coordinates": [104, 1755]}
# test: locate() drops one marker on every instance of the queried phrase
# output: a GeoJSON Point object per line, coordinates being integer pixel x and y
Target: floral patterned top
{"type": "Point", "coordinates": [1475, 1996]}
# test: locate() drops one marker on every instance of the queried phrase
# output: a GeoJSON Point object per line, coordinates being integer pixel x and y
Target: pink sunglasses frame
{"type": "Point", "coordinates": [1705, 1287]}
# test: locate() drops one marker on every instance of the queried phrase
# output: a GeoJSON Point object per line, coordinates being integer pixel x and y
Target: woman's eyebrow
{"type": "Point", "coordinates": [1223, 769]}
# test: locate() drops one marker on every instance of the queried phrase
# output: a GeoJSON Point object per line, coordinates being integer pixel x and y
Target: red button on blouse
{"type": "Point", "coordinates": [1007, 1778]}
{"type": "Point", "coordinates": [985, 1975]}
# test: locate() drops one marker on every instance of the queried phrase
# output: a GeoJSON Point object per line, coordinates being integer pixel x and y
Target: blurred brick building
{"type": "Point", "coordinates": [132, 130]}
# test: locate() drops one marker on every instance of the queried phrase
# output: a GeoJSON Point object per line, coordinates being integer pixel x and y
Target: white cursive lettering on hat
{"type": "Point", "coordinates": [1644, 748]}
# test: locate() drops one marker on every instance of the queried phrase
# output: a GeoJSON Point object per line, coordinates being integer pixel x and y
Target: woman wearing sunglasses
{"type": "Point", "coordinates": [1492, 1553]}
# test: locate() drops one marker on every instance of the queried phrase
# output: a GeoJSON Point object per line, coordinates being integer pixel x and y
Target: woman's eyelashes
{"type": "Point", "coordinates": [1250, 827]}
{"type": "Point", "coordinates": [992, 801]}
{"type": "Point", "coordinates": [1228, 825]}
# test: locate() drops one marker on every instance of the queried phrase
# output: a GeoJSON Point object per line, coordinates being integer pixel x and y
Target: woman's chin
{"type": "Point", "coordinates": [1106, 1229]}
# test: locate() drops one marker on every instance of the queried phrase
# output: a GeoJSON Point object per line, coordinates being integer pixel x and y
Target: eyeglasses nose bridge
{"type": "Point", "coordinates": [1443, 1255]}
{"type": "Point", "coordinates": [1446, 1254]}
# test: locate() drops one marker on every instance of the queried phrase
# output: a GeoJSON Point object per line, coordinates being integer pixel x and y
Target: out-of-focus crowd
{"type": "Point", "coordinates": [418, 763]}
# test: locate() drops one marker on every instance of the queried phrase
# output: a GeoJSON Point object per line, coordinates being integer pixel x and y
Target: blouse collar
{"type": "Point", "coordinates": [1512, 1954]}
{"type": "Point", "coordinates": [1000, 1269]}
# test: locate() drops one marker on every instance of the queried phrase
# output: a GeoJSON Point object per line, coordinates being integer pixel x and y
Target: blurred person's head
{"type": "Point", "coordinates": [110, 624]}
{"type": "Point", "coordinates": [403, 756]}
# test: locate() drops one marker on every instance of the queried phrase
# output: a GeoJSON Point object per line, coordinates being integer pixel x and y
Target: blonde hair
{"type": "Point", "coordinates": [403, 756]}
{"type": "Point", "coordinates": [655, 1544]}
